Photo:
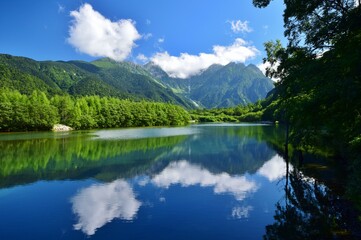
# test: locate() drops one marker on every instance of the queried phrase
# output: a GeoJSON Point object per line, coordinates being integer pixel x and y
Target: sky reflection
{"type": "Point", "coordinates": [99, 204]}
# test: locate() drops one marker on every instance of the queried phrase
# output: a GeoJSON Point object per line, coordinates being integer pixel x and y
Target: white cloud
{"type": "Point", "coordinates": [161, 40]}
{"type": "Point", "coordinates": [143, 181]}
{"type": "Point", "coordinates": [99, 204]}
{"type": "Point", "coordinates": [274, 169]}
{"type": "Point", "coordinates": [188, 174]}
{"type": "Point", "coordinates": [93, 34]}
{"type": "Point", "coordinates": [263, 67]}
{"type": "Point", "coordinates": [147, 36]}
{"type": "Point", "coordinates": [238, 26]}
{"type": "Point", "coordinates": [142, 58]}
{"type": "Point", "coordinates": [187, 65]}
{"type": "Point", "coordinates": [61, 8]}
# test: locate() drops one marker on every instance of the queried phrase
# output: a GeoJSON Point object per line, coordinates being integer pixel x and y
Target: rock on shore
{"type": "Point", "coordinates": [61, 128]}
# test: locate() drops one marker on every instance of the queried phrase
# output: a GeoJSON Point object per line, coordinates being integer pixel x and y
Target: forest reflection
{"type": "Point", "coordinates": [311, 210]}
{"type": "Point", "coordinates": [106, 155]}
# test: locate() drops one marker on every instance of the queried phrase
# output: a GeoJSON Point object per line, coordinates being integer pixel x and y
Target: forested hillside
{"type": "Point", "coordinates": [103, 77]}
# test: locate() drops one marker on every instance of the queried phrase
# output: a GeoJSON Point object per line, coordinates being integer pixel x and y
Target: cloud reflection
{"type": "Point", "coordinates": [274, 169]}
{"type": "Point", "coordinates": [241, 212]}
{"type": "Point", "coordinates": [140, 133]}
{"type": "Point", "coordinates": [186, 174]}
{"type": "Point", "coordinates": [99, 204]}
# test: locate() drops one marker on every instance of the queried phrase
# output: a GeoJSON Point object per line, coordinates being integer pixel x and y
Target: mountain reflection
{"type": "Point", "coordinates": [187, 174]}
{"type": "Point", "coordinates": [99, 204]}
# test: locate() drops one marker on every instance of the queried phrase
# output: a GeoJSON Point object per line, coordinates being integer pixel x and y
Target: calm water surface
{"type": "Point", "coordinates": [199, 182]}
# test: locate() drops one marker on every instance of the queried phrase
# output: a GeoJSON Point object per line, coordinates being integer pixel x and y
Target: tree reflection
{"type": "Point", "coordinates": [310, 211]}
{"type": "Point", "coordinates": [78, 157]}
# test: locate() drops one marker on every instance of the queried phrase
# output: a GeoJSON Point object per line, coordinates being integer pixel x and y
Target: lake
{"type": "Point", "coordinates": [211, 181]}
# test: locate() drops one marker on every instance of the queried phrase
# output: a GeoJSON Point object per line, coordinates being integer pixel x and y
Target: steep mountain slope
{"type": "Point", "coordinates": [177, 85]}
{"type": "Point", "coordinates": [103, 77]}
{"type": "Point", "coordinates": [220, 86]}
{"type": "Point", "coordinates": [232, 85]}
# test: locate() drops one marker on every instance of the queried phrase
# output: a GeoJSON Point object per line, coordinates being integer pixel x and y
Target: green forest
{"type": "Point", "coordinates": [20, 112]}
{"type": "Point", "coordinates": [248, 113]}
{"type": "Point", "coordinates": [319, 72]}
{"type": "Point", "coordinates": [317, 98]}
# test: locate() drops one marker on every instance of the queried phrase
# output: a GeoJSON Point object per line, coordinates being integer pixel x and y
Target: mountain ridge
{"type": "Point", "coordinates": [219, 86]}
{"type": "Point", "coordinates": [216, 86]}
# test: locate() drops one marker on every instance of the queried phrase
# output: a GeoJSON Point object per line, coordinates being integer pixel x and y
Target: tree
{"type": "Point", "coordinates": [42, 115]}
{"type": "Point", "coordinates": [65, 107]}
{"type": "Point", "coordinates": [319, 71]}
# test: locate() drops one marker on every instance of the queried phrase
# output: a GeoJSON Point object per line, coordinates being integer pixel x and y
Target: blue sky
{"type": "Point", "coordinates": [182, 37]}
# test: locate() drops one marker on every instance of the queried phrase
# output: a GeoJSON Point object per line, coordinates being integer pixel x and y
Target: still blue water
{"type": "Point", "coordinates": [199, 182]}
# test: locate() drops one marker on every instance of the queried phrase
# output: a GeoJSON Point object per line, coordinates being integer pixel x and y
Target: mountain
{"type": "Point", "coordinates": [103, 77]}
{"type": "Point", "coordinates": [219, 86]}
{"type": "Point", "coordinates": [176, 84]}
{"type": "Point", "coordinates": [216, 86]}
